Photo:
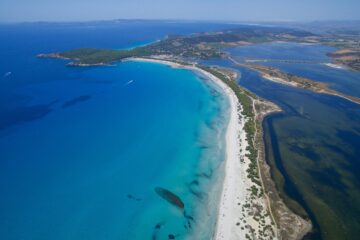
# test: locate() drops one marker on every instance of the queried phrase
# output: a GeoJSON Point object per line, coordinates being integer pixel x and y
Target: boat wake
{"type": "Point", "coordinates": [7, 74]}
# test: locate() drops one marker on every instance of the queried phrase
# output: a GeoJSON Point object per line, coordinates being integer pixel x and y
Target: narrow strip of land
{"type": "Point", "coordinates": [276, 75]}
{"type": "Point", "coordinates": [241, 215]}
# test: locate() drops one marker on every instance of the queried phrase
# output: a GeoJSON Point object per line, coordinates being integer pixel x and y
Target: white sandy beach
{"type": "Point", "coordinates": [232, 218]}
{"type": "Point", "coordinates": [333, 65]}
{"type": "Point", "coordinates": [279, 80]}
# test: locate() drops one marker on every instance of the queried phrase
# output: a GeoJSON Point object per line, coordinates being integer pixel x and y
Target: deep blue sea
{"type": "Point", "coordinates": [82, 149]}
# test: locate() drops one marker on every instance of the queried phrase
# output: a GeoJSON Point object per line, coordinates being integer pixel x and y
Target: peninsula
{"type": "Point", "coordinates": [208, 45]}
{"type": "Point", "coordinates": [276, 75]}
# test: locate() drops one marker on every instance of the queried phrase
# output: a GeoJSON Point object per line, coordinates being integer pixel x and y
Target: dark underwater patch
{"type": "Point", "coordinates": [75, 101]}
{"type": "Point", "coordinates": [338, 150]}
{"type": "Point", "coordinates": [170, 197]}
{"type": "Point", "coordinates": [352, 139]}
{"type": "Point", "coordinates": [21, 115]}
{"type": "Point", "coordinates": [328, 177]}
{"type": "Point", "coordinates": [132, 197]}
{"type": "Point", "coordinates": [306, 151]}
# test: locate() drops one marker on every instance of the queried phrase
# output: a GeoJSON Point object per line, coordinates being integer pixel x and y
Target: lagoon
{"type": "Point", "coordinates": [313, 145]}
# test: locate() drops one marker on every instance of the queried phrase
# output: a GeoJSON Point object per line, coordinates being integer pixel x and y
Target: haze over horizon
{"type": "Point", "coordinates": [230, 10]}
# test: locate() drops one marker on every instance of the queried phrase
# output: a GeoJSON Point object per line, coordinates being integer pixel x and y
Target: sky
{"type": "Point", "coordinates": [226, 10]}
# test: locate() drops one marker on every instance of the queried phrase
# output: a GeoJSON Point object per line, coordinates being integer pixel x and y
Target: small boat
{"type": "Point", "coordinates": [129, 82]}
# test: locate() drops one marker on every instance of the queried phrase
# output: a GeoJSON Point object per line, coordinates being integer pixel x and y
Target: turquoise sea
{"type": "Point", "coordinates": [82, 150]}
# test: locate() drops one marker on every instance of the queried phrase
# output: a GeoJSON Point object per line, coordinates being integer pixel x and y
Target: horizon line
{"type": "Point", "coordinates": [181, 20]}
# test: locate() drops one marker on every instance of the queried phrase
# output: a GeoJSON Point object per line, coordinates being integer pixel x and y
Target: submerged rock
{"type": "Point", "coordinates": [170, 197]}
{"type": "Point", "coordinates": [129, 196]}
{"type": "Point", "coordinates": [156, 230]}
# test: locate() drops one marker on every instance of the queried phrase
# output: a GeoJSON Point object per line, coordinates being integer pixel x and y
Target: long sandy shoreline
{"type": "Point", "coordinates": [234, 222]}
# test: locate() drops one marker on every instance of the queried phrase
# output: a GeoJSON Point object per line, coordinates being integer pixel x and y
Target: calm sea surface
{"type": "Point", "coordinates": [83, 149]}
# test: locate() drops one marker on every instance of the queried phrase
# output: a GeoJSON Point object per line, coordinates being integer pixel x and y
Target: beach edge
{"type": "Point", "coordinates": [235, 218]}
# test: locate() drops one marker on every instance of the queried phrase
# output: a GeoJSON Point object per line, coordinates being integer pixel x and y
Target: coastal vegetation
{"type": "Point", "coordinates": [255, 109]}
{"type": "Point", "coordinates": [244, 98]}
{"type": "Point", "coordinates": [253, 207]}
{"type": "Point", "coordinates": [348, 57]}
